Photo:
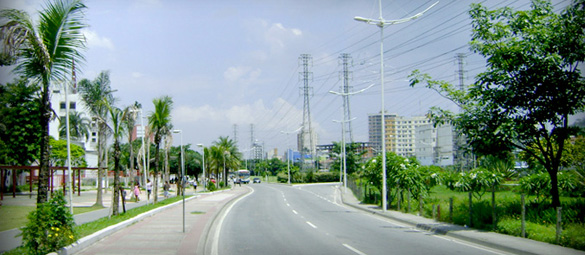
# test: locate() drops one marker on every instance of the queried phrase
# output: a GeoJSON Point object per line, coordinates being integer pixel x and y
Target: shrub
{"type": "Point", "coordinates": [49, 227]}
{"type": "Point", "coordinates": [573, 236]}
{"type": "Point", "coordinates": [511, 226]}
{"type": "Point", "coordinates": [211, 187]}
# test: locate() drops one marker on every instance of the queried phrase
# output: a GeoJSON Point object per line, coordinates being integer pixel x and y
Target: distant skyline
{"type": "Point", "coordinates": [236, 62]}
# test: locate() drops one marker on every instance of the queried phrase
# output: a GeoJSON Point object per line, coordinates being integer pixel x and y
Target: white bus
{"type": "Point", "coordinates": [243, 175]}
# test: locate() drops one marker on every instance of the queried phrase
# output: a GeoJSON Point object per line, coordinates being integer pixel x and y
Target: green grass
{"type": "Point", "coordinates": [15, 216]}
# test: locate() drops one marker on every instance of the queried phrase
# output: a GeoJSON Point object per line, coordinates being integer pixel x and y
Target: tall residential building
{"type": "Point", "coordinates": [400, 133]}
{"type": "Point", "coordinates": [435, 146]}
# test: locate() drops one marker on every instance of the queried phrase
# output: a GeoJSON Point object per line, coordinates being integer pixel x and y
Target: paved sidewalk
{"type": "Point", "coordinates": [9, 239]}
{"type": "Point", "coordinates": [161, 231]}
{"type": "Point", "coordinates": [501, 242]}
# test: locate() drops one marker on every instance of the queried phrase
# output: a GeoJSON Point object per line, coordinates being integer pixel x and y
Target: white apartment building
{"type": "Point", "coordinates": [58, 102]}
{"type": "Point", "coordinates": [435, 146]}
{"type": "Point", "coordinates": [400, 133]}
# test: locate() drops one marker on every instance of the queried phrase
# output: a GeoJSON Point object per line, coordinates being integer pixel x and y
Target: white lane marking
{"type": "Point", "coordinates": [295, 212]}
{"type": "Point", "coordinates": [215, 244]}
{"type": "Point", "coordinates": [311, 224]}
{"type": "Point", "coordinates": [353, 249]}
{"type": "Point", "coordinates": [470, 245]}
{"type": "Point", "coordinates": [287, 204]}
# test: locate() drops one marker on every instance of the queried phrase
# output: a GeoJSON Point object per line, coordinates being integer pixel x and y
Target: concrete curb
{"type": "Point", "coordinates": [86, 241]}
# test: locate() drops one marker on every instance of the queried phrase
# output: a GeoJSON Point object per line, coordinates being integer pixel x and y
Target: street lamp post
{"type": "Point", "coordinates": [381, 23]}
{"type": "Point", "coordinates": [182, 174]}
{"type": "Point", "coordinates": [288, 150]}
{"type": "Point", "coordinates": [143, 147]}
{"type": "Point", "coordinates": [204, 175]}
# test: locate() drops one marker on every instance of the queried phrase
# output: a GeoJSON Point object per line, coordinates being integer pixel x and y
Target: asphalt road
{"type": "Point", "coordinates": [310, 219]}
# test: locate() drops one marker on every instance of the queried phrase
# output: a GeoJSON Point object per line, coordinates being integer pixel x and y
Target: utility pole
{"type": "Point", "coordinates": [305, 75]}
{"type": "Point", "coordinates": [381, 22]}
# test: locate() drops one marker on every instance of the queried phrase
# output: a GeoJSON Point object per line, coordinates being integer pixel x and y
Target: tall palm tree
{"type": "Point", "coordinates": [226, 155]}
{"type": "Point", "coordinates": [160, 122]}
{"type": "Point", "coordinates": [44, 53]}
{"type": "Point", "coordinates": [118, 130]}
{"type": "Point", "coordinates": [129, 122]}
{"type": "Point", "coordinates": [79, 126]}
{"type": "Point", "coordinates": [95, 94]}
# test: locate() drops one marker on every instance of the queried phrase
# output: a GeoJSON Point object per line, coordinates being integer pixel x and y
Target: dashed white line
{"type": "Point", "coordinates": [311, 224]}
{"type": "Point", "coordinates": [295, 212]}
{"type": "Point", "coordinates": [353, 249]}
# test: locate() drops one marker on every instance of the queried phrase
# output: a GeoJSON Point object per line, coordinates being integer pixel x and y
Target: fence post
{"type": "Point", "coordinates": [451, 209]}
{"type": "Point", "coordinates": [494, 219]}
{"type": "Point", "coordinates": [470, 220]}
{"type": "Point", "coordinates": [434, 211]}
{"type": "Point", "coordinates": [420, 205]}
{"type": "Point", "coordinates": [523, 220]}
{"type": "Point", "coordinates": [398, 194]}
{"type": "Point", "coordinates": [408, 201]}
{"type": "Point", "coordinates": [559, 227]}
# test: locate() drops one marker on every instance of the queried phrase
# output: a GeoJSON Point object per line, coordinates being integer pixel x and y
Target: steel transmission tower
{"type": "Point", "coordinates": [346, 76]}
{"type": "Point", "coordinates": [305, 75]}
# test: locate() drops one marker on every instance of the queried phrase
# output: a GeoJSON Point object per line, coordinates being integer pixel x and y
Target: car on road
{"type": "Point", "coordinates": [256, 180]}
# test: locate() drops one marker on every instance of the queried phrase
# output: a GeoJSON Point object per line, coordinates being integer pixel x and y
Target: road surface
{"type": "Point", "coordinates": [311, 219]}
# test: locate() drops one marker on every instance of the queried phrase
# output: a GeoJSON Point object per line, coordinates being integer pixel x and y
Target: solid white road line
{"type": "Point", "coordinates": [215, 244]}
{"type": "Point", "coordinates": [353, 249]}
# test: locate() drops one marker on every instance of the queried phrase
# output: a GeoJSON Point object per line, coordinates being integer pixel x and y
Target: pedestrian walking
{"type": "Point", "coordinates": [166, 188]}
{"type": "Point", "coordinates": [148, 188]}
{"type": "Point", "coordinates": [195, 184]}
{"type": "Point", "coordinates": [136, 192]}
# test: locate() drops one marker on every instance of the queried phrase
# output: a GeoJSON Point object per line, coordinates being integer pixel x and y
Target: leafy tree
{"type": "Point", "coordinates": [44, 53]}
{"type": "Point", "coordinates": [129, 122]}
{"type": "Point", "coordinates": [95, 94]}
{"type": "Point", "coordinates": [159, 122]}
{"type": "Point", "coordinates": [20, 130]}
{"type": "Point", "coordinates": [59, 154]}
{"type": "Point", "coordinates": [531, 85]}
{"type": "Point", "coordinates": [353, 156]}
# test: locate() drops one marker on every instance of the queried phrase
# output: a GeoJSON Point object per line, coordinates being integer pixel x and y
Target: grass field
{"type": "Point", "coordinates": [15, 216]}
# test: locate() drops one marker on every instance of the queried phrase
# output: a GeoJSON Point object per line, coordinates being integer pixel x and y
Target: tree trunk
{"type": "Point", "coordinates": [43, 190]}
{"type": "Point", "coordinates": [99, 196]}
{"type": "Point", "coordinates": [116, 202]}
{"type": "Point", "coordinates": [156, 167]}
{"type": "Point", "coordinates": [554, 183]}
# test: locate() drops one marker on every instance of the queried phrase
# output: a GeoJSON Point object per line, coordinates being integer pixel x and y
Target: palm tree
{"type": "Point", "coordinates": [129, 122]}
{"type": "Point", "coordinates": [79, 126]}
{"type": "Point", "coordinates": [225, 156]}
{"type": "Point", "coordinates": [95, 93]}
{"type": "Point", "coordinates": [160, 122]}
{"type": "Point", "coordinates": [118, 130]}
{"type": "Point", "coordinates": [44, 53]}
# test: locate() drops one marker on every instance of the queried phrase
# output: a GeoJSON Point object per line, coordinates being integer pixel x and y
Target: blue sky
{"type": "Point", "coordinates": [236, 62]}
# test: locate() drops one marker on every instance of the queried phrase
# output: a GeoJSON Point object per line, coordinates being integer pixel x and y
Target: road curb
{"type": "Point", "coordinates": [86, 241]}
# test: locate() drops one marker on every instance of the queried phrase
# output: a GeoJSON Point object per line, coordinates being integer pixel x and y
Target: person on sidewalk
{"type": "Point", "coordinates": [166, 188]}
{"type": "Point", "coordinates": [148, 188]}
{"type": "Point", "coordinates": [136, 192]}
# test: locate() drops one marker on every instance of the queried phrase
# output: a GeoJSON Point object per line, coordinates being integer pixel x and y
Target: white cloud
{"type": "Point", "coordinates": [94, 40]}
{"type": "Point", "coordinates": [137, 75]}
{"type": "Point", "coordinates": [243, 74]}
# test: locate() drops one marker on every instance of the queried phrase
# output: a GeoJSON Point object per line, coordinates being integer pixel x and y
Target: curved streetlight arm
{"type": "Point", "coordinates": [350, 93]}
{"type": "Point", "coordinates": [382, 22]}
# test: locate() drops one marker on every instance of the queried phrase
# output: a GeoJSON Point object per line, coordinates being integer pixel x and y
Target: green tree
{"type": "Point", "coordinates": [59, 154]}
{"type": "Point", "coordinates": [95, 94]}
{"type": "Point", "coordinates": [353, 155]}
{"type": "Point", "coordinates": [44, 53]}
{"type": "Point", "coordinates": [159, 122]}
{"type": "Point", "coordinates": [20, 129]}
{"type": "Point", "coordinates": [79, 127]}
{"type": "Point", "coordinates": [118, 130]}
{"type": "Point", "coordinates": [531, 85]}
